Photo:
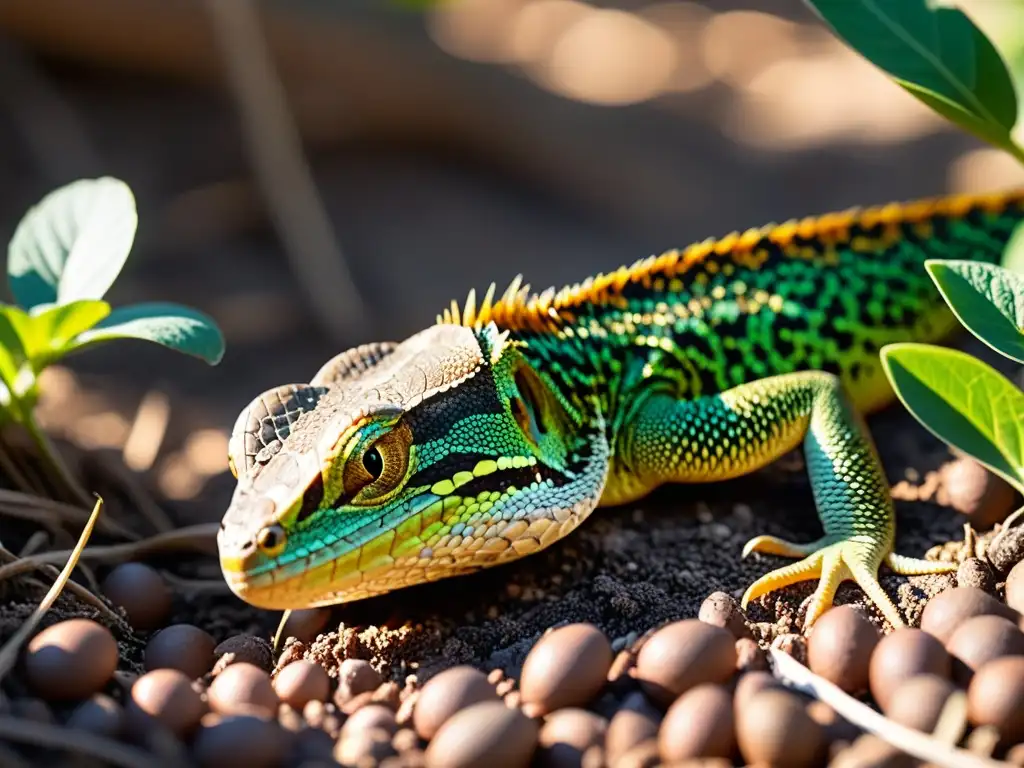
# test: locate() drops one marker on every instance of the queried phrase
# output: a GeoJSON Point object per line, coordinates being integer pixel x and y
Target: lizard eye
{"type": "Point", "coordinates": [380, 469]}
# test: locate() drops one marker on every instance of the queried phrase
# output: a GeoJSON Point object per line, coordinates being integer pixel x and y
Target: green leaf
{"type": "Point", "coordinates": [172, 325]}
{"type": "Point", "coordinates": [962, 401]}
{"type": "Point", "coordinates": [987, 299]}
{"type": "Point", "coordinates": [73, 243]}
{"type": "Point", "coordinates": [937, 54]}
{"type": "Point", "coordinates": [1013, 254]}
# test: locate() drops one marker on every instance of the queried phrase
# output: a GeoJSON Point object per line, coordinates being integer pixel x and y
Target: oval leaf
{"type": "Point", "coordinates": [1013, 255]}
{"type": "Point", "coordinates": [73, 243]}
{"type": "Point", "coordinates": [57, 325]}
{"type": "Point", "coordinates": [987, 299]}
{"type": "Point", "coordinates": [962, 401]}
{"type": "Point", "coordinates": [172, 325]}
{"type": "Point", "coordinates": [937, 54]}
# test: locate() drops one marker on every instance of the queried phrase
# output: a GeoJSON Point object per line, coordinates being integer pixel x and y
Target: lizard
{"type": "Point", "coordinates": [496, 431]}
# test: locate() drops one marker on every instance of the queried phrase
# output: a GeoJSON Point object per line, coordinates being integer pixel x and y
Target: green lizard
{"type": "Point", "coordinates": [497, 431]}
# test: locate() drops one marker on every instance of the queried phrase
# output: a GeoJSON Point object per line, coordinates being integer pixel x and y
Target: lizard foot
{"type": "Point", "coordinates": [833, 560]}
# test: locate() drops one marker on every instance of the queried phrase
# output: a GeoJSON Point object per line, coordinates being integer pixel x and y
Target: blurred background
{"type": "Point", "coordinates": [320, 173]}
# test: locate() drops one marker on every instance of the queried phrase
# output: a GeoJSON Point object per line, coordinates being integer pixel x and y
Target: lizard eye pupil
{"type": "Point", "coordinates": [373, 463]}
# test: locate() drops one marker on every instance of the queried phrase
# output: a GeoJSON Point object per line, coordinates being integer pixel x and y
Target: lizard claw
{"type": "Point", "coordinates": [833, 561]}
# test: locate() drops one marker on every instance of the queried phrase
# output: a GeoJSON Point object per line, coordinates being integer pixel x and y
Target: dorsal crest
{"type": "Point", "coordinates": [808, 238]}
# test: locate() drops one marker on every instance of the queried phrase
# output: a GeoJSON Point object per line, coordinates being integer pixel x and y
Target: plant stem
{"type": "Point", "coordinates": [48, 452]}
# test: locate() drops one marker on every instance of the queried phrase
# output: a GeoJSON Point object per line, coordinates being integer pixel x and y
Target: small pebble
{"type": "Point", "coordinates": [372, 717]}
{"type": "Point", "coordinates": [488, 733]}
{"type": "Point", "coordinates": [749, 656]}
{"type": "Point", "coordinates": [1015, 755]}
{"type": "Point", "coordinates": [243, 648]}
{"type": "Point", "coordinates": [301, 682]}
{"type": "Point", "coordinates": [755, 682]}
{"type": "Point", "coordinates": [996, 697]}
{"type": "Point", "coordinates": [166, 695]}
{"type": "Point", "coordinates": [977, 493]}
{"type": "Point", "coordinates": [100, 715]}
{"type": "Point", "coordinates": [70, 660]}
{"type": "Point", "coordinates": [951, 607]}
{"type": "Point", "coordinates": [567, 667]}
{"type": "Point", "coordinates": [682, 655]}
{"type": "Point", "coordinates": [869, 751]}
{"type": "Point", "coordinates": [975, 572]}
{"type": "Point", "coordinates": [636, 721]}
{"type": "Point", "coordinates": [1015, 587]}
{"type": "Point", "coordinates": [1007, 550]}
{"type": "Point", "coordinates": [405, 740]}
{"type": "Point", "coordinates": [184, 647]}
{"type": "Point", "coordinates": [566, 736]}
{"type": "Point", "coordinates": [243, 689]}
{"type": "Point", "coordinates": [902, 654]}
{"type": "Point", "coordinates": [142, 592]}
{"type": "Point", "coordinates": [364, 747]}
{"type": "Point", "coordinates": [355, 676]}
{"type": "Point", "coordinates": [840, 646]}
{"type": "Point", "coordinates": [246, 740]}
{"type": "Point", "coordinates": [305, 624]}
{"type": "Point", "coordinates": [774, 729]}
{"type": "Point", "coordinates": [699, 724]}
{"type": "Point", "coordinates": [445, 694]}
{"type": "Point", "coordinates": [721, 609]}
{"type": "Point", "coordinates": [835, 726]}
{"type": "Point", "coordinates": [981, 639]}
{"type": "Point", "coordinates": [917, 702]}
{"type": "Point", "coordinates": [644, 755]}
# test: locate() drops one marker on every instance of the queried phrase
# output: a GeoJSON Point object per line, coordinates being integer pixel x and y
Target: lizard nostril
{"type": "Point", "coordinates": [271, 540]}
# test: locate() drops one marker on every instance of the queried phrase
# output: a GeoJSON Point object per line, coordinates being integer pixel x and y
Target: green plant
{"type": "Point", "coordinates": [64, 256]}
{"type": "Point", "coordinates": [940, 56]}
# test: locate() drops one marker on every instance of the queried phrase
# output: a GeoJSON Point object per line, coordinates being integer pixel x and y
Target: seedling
{"type": "Point", "coordinates": [64, 256]}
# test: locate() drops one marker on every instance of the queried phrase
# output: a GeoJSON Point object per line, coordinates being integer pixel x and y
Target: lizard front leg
{"type": "Point", "coordinates": [744, 428]}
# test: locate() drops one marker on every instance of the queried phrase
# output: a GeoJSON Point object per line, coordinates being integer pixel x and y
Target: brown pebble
{"type": "Point", "coordinates": [388, 694]}
{"type": "Point", "coordinates": [488, 733]}
{"type": "Point", "coordinates": [644, 755]}
{"type": "Point", "coordinates": [355, 676]}
{"type": "Point", "coordinates": [369, 718]}
{"type": "Point", "coordinates": [869, 751]}
{"type": "Point", "coordinates": [902, 654]}
{"type": "Point", "coordinates": [636, 721]}
{"type": "Point", "coordinates": [566, 668]}
{"type": "Point", "coordinates": [567, 735]}
{"type": "Point", "coordinates": [100, 715]}
{"type": "Point", "coordinates": [405, 740]}
{"type": "Point", "coordinates": [1007, 549]}
{"type": "Point", "coordinates": [246, 740]}
{"type": "Point", "coordinates": [749, 656]}
{"type": "Point", "coordinates": [1015, 755]}
{"type": "Point", "coordinates": [305, 624]}
{"type": "Point", "coordinates": [754, 682]}
{"type": "Point", "coordinates": [917, 702]}
{"type": "Point", "coordinates": [70, 660]}
{"type": "Point", "coordinates": [981, 639]}
{"type": "Point", "coordinates": [184, 647]}
{"type": "Point", "coordinates": [142, 592]}
{"type": "Point", "coordinates": [835, 726]}
{"type": "Point", "coordinates": [951, 607]}
{"type": "Point", "coordinates": [166, 695]}
{"type": "Point", "coordinates": [793, 645]}
{"type": "Point", "coordinates": [682, 655]}
{"type": "Point", "coordinates": [839, 648]}
{"type": "Point", "coordinates": [774, 729]}
{"type": "Point", "coordinates": [445, 694]}
{"type": "Point", "coordinates": [721, 609]}
{"type": "Point", "coordinates": [699, 724]}
{"type": "Point", "coordinates": [975, 572]}
{"type": "Point", "coordinates": [243, 689]}
{"type": "Point", "coordinates": [355, 703]}
{"type": "Point", "coordinates": [246, 649]}
{"type": "Point", "coordinates": [302, 682]}
{"type": "Point", "coordinates": [976, 492]}
{"type": "Point", "coordinates": [363, 747]}
{"type": "Point", "coordinates": [996, 697]}
{"type": "Point", "coordinates": [1015, 587]}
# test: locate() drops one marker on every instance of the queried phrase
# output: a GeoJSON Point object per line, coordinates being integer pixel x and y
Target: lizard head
{"type": "Point", "coordinates": [445, 454]}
